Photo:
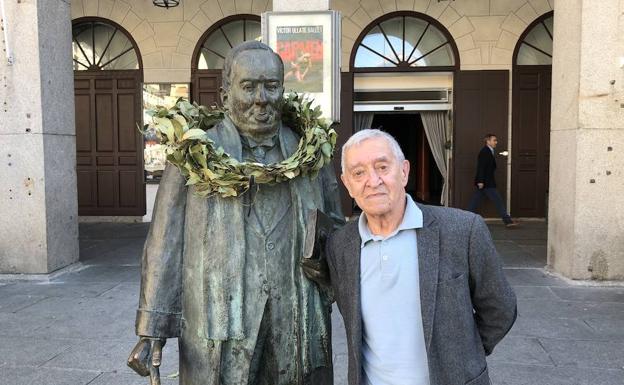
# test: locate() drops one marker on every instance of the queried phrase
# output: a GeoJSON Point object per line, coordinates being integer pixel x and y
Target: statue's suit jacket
{"type": "Point", "coordinates": [467, 304]}
{"type": "Point", "coordinates": [192, 280]}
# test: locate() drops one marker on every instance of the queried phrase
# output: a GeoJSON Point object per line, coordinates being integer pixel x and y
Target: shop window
{"type": "Point", "coordinates": [157, 94]}
{"type": "Point", "coordinates": [100, 46]}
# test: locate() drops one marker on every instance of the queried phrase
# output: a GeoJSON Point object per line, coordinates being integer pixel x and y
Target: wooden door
{"type": "Point", "coordinates": [531, 140]}
{"type": "Point", "coordinates": [205, 86]}
{"type": "Point", "coordinates": [481, 107]}
{"type": "Point", "coordinates": [109, 146]}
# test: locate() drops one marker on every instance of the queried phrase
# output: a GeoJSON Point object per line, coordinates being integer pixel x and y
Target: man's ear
{"type": "Point", "coordinates": [405, 170]}
{"type": "Point", "coordinates": [224, 97]}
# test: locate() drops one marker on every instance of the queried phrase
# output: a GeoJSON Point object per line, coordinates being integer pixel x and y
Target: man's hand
{"type": "Point", "coordinates": [146, 357]}
{"type": "Point", "coordinates": [480, 186]}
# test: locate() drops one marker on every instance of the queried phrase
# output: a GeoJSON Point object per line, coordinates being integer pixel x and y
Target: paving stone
{"type": "Point", "coordinates": [538, 252]}
{"type": "Point", "coordinates": [31, 351]}
{"type": "Point", "coordinates": [69, 317]}
{"type": "Point", "coordinates": [128, 379]}
{"type": "Point", "coordinates": [586, 354]}
{"type": "Point", "coordinates": [607, 328]}
{"type": "Point", "coordinates": [17, 324]}
{"type": "Point", "coordinates": [534, 292]}
{"type": "Point", "coordinates": [56, 289]}
{"type": "Point", "coordinates": [112, 230]}
{"type": "Point", "coordinates": [596, 294]}
{"type": "Point", "coordinates": [521, 259]}
{"type": "Point", "coordinates": [107, 356]}
{"type": "Point", "coordinates": [92, 274]}
{"type": "Point", "coordinates": [520, 350]}
{"type": "Point", "coordinates": [532, 277]}
{"type": "Point", "coordinates": [31, 375]}
{"type": "Point", "coordinates": [16, 302]}
{"type": "Point", "coordinates": [558, 328]}
{"type": "Point", "coordinates": [536, 308]}
{"type": "Point", "coordinates": [513, 374]}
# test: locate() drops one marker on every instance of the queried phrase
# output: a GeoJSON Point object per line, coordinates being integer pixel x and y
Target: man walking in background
{"type": "Point", "coordinates": [486, 183]}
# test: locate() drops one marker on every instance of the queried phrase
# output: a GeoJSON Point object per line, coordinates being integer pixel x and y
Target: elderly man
{"type": "Point", "coordinates": [222, 274]}
{"type": "Point", "coordinates": [420, 288]}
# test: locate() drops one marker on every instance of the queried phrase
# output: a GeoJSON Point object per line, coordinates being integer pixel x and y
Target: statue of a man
{"type": "Point", "coordinates": [223, 274]}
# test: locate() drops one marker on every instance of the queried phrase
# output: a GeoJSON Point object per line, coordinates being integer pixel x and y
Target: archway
{"type": "Point", "coordinates": [109, 147]}
{"type": "Point", "coordinates": [210, 52]}
{"type": "Point", "coordinates": [532, 70]}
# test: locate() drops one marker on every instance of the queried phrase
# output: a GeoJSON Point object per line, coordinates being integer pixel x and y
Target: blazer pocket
{"type": "Point", "coordinates": [481, 379]}
{"type": "Point", "coordinates": [452, 281]}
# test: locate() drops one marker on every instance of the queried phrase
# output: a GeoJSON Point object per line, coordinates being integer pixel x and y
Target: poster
{"type": "Point", "coordinates": [301, 50]}
{"type": "Point", "coordinates": [309, 45]}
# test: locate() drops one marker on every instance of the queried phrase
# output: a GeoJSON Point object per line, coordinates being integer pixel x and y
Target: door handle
{"type": "Point", "coordinates": [504, 153]}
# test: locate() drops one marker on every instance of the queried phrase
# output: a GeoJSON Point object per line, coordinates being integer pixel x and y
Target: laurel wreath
{"type": "Point", "coordinates": [182, 131]}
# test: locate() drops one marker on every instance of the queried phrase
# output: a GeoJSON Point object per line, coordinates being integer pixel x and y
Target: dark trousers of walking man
{"type": "Point", "coordinates": [492, 194]}
{"type": "Point", "coordinates": [485, 182]}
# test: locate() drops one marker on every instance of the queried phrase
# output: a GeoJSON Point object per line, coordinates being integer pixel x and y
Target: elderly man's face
{"type": "Point", "coordinates": [375, 178]}
{"type": "Point", "coordinates": [256, 88]}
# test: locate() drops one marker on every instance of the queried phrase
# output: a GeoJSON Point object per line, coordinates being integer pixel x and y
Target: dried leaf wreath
{"type": "Point", "coordinates": [182, 131]}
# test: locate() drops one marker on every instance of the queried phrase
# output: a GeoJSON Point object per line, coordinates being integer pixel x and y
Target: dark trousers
{"type": "Point", "coordinates": [493, 195]}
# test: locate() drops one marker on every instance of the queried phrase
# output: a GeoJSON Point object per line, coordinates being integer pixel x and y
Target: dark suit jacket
{"type": "Point", "coordinates": [459, 271]}
{"type": "Point", "coordinates": [486, 165]}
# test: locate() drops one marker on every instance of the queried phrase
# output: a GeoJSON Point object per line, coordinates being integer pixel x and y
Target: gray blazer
{"type": "Point", "coordinates": [467, 303]}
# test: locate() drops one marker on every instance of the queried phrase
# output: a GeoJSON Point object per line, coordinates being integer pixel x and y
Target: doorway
{"type": "Point", "coordinates": [425, 181]}
{"type": "Point", "coordinates": [532, 75]}
{"type": "Point", "coordinates": [109, 147]}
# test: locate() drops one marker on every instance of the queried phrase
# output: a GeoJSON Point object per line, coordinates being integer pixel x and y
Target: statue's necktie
{"type": "Point", "coordinates": [260, 149]}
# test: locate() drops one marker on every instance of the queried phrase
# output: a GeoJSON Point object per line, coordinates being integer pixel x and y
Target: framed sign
{"type": "Point", "coordinates": [309, 45]}
{"type": "Point", "coordinates": [157, 94]}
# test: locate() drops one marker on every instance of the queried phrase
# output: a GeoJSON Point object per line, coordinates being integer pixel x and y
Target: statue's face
{"type": "Point", "coordinates": [255, 95]}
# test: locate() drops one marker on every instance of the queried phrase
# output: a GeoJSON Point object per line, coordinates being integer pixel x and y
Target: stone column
{"type": "Point", "coordinates": [586, 201]}
{"type": "Point", "coordinates": [38, 202]}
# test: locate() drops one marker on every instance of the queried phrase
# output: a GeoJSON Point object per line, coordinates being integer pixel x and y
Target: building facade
{"type": "Point", "coordinates": [438, 75]}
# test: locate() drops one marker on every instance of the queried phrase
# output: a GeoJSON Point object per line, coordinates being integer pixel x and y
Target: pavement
{"type": "Point", "coordinates": [77, 328]}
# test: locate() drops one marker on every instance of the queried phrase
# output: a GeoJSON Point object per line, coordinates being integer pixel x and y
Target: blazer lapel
{"type": "Point", "coordinates": [428, 258]}
{"type": "Point", "coordinates": [351, 273]}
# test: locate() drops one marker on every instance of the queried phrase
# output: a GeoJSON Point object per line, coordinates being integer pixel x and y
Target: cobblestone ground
{"type": "Point", "coordinates": [77, 328]}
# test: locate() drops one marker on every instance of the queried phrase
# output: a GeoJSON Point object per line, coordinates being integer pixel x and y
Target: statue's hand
{"type": "Point", "coordinates": [316, 270]}
{"type": "Point", "coordinates": [146, 357]}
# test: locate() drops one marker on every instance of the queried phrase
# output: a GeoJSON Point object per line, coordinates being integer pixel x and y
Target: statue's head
{"type": "Point", "coordinates": [252, 88]}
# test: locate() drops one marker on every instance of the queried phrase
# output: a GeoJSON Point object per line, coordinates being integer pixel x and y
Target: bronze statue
{"type": "Point", "coordinates": [223, 275]}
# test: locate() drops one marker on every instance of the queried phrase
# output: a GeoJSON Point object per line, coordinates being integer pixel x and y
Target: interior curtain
{"type": "Point", "coordinates": [362, 120]}
{"type": "Point", "coordinates": [435, 124]}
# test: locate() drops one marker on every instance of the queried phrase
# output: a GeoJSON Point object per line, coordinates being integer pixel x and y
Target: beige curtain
{"type": "Point", "coordinates": [362, 121]}
{"type": "Point", "coordinates": [435, 124]}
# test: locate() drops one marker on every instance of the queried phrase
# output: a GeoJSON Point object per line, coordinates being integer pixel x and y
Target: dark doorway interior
{"type": "Point", "coordinates": [425, 181]}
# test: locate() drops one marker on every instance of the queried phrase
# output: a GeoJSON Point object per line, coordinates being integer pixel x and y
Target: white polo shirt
{"type": "Point", "coordinates": [393, 346]}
